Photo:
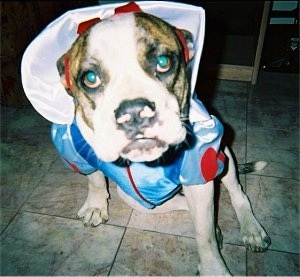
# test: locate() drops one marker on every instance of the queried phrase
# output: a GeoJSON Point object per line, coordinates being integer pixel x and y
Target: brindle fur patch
{"type": "Point", "coordinates": [156, 37]}
{"type": "Point", "coordinates": [77, 55]}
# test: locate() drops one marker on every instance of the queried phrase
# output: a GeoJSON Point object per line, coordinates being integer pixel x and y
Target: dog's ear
{"type": "Point", "coordinates": [188, 36]}
{"type": "Point", "coordinates": [60, 64]}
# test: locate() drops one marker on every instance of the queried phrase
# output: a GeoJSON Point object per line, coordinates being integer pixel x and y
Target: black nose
{"type": "Point", "coordinates": [133, 116]}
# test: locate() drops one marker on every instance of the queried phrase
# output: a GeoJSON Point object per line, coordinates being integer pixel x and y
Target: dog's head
{"type": "Point", "coordinates": [128, 77]}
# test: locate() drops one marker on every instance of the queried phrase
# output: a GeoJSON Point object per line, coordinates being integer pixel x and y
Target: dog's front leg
{"type": "Point", "coordinates": [200, 199]}
{"type": "Point", "coordinates": [94, 210]}
{"type": "Point", "coordinates": [253, 234]}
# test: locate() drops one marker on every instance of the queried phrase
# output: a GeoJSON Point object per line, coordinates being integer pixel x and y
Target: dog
{"type": "Point", "coordinates": [129, 78]}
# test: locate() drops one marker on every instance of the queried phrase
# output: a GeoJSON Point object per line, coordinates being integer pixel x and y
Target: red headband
{"type": "Point", "coordinates": [183, 43]}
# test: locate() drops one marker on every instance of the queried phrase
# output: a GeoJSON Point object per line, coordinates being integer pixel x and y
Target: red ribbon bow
{"type": "Point", "coordinates": [130, 7]}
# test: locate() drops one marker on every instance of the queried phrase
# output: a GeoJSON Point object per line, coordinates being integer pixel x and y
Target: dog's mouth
{"type": "Point", "coordinates": [144, 150]}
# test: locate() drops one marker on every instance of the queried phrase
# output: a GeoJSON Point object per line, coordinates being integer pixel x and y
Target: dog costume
{"type": "Point", "coordinates": [149, 184]}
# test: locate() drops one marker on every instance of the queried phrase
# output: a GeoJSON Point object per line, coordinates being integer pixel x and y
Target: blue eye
{"type": "Point", "coordinates": [163, 64]}
{"type": "Point", "coordinates": [91, 79]}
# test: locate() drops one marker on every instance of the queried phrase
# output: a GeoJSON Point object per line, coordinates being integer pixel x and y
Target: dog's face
{"type": "Point", "coordinates": [128, 77]}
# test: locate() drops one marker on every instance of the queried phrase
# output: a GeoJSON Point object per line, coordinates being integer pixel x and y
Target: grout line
{"type": "Point", "coordinates": [246, 262]}
{"type": "Point", "coordinates": [121, 241]}
{"type": "Point", "coordinates": [249, 90]}
{"type": "Point", "coordinates": [19, 209]}
{"type": "Point", "coordinates": [117, 251]}
{"type": "Point", "coordinates": [271, 176]}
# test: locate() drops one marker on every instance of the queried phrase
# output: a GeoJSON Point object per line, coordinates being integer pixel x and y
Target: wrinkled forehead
{"type": "Point", "coordinates": [123, 39]}
{"type": "Point", "coordinates": [123, 30]}
{"type": "Point", "coordinates": [112, 27]}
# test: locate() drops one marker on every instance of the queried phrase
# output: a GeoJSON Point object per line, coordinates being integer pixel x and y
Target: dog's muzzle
{"type": "Point", "coordinates": [134, 117]}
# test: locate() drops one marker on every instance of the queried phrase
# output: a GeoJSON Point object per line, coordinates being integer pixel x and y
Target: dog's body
{"type": "Point", "coordinates": [128, 76]}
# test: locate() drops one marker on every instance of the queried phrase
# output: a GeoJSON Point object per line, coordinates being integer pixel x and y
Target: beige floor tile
{"type": "Point", "coordinates": [149, 253]}
{"type": "Point", "coordinates": [281, 163]}
{"type": "Point", "coordinates": [273, 263]}
{"type": "Point", "coordinates": [276, 204]}
{"type": "Point", "coordinates": [235, 258]}
{"type": "Point", "coordinates": [60, 194]}
{"type": "Point", "coordinates": [175, 222]}
{"type": "Point", "coordinates": [276, 113]}
{"type": "Point", "coordinates": [22, 168]}
{"type": "Point", "coordinates": [6, 216]}
{"type": "Point", "coordinates": [63, 193]}
{"type": "Point", "coordinates": [36, 244]}
{"type": "Point", "coordinates": [280, 148]}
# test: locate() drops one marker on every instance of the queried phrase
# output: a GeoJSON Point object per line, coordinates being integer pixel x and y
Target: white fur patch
{"type": "Point", "coordinates": [112, 43]}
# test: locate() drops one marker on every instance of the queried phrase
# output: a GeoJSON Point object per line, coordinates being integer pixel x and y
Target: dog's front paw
{"type": "Point", "coordinates": [92, 216]}
{"type": "Point", "coordinates": [255, 237]}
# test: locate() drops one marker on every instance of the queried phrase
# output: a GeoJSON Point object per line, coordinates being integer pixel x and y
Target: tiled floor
{"type": "Point", "coordinates": [40, 198]}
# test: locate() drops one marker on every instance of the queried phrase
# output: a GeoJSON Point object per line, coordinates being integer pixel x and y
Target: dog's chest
{"type": "Point", "coordinates": [149, 185]}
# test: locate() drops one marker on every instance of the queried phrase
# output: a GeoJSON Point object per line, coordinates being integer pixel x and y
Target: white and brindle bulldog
{"type": "Point", "coordinates": [129, 80]}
